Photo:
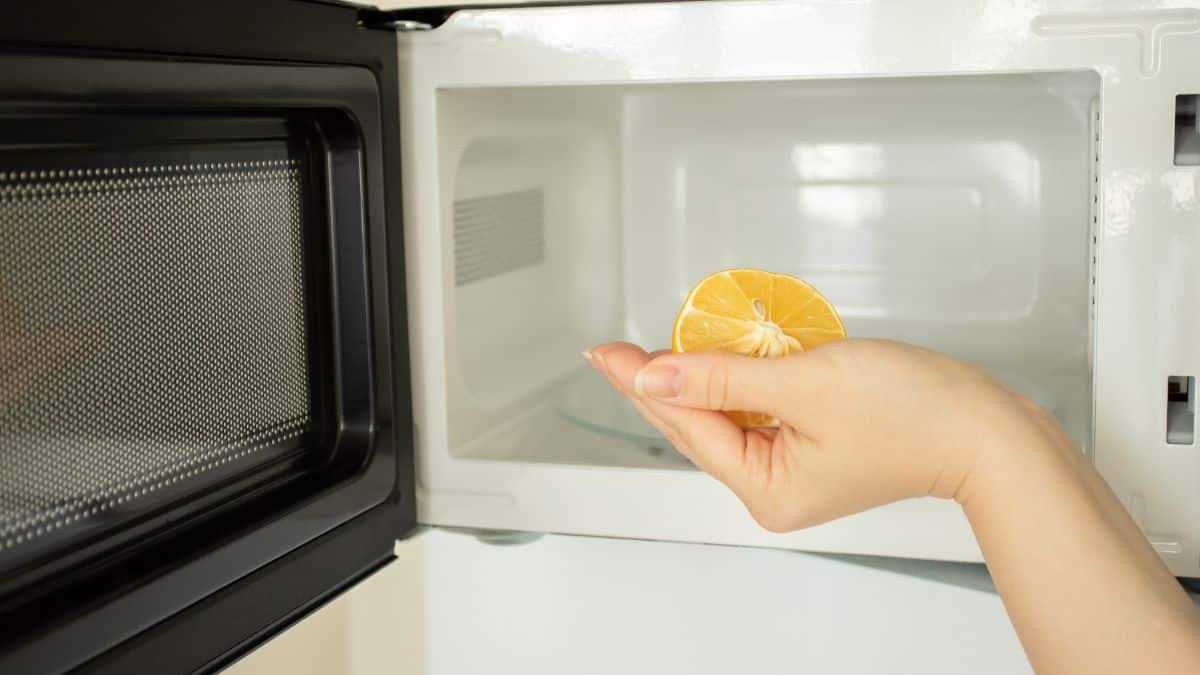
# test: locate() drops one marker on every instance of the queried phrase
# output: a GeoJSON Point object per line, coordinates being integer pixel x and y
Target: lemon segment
{"type": "Point", "coordinates": [755, 313]}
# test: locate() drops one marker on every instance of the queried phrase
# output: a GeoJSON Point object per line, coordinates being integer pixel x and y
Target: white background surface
{"type": "Point", "coordinates": [453, 605]}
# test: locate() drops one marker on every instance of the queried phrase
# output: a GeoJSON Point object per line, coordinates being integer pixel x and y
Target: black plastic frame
{"type": "Point", "coordinates": [436, 15]}
{"type": "Point", "coordinates": [198, 586]}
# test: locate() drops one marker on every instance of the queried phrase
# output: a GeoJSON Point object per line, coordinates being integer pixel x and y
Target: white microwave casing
{"type": "Point", "coordinates": [1142, 325]}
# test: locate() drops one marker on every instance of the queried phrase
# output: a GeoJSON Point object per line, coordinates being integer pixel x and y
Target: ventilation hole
{"type": "Point", "coordinates": [1181, 410]}
{"type": "Point", "coordinates": [1187, 134]}
{"type": "Point", "coordinates": [497, 234]}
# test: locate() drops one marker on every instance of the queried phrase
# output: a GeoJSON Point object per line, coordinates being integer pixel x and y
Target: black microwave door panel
{"type": "Point", "coordinates": [205, 413]}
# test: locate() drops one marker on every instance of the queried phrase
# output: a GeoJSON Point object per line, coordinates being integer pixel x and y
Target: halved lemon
{"type": "Point", "coordinates": [756, 313]}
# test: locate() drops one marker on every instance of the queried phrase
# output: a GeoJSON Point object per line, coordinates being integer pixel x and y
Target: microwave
{"type": "Point", "coordinates": [283, 282]}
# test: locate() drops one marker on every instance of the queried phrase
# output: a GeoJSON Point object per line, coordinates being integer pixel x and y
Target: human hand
{"type": "Point", "coordinates": [866, 422]}
{"type": "Point", "coordinates": [862, 423]}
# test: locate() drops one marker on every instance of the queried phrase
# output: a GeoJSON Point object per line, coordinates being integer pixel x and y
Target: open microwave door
{"type": "Point", "coordinates": [205, 426]}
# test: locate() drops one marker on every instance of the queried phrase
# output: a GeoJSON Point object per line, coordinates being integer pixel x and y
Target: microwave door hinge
{"type": "Point", "coordinates": [373, 18]}
{"type": "Point", "coordinates": [406, 26]}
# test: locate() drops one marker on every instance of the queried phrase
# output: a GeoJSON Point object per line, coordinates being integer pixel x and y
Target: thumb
{"type": "Point", "coordinates": [723, 381]}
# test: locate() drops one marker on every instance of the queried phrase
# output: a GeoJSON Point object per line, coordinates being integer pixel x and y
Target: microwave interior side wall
{"type": "Point", "coordinates": [950, 212]}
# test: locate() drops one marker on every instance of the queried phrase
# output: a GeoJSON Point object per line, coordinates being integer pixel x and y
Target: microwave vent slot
{"type": "Point", "coordinates": [497, 234]}
{"type": "Point", "coordinates": [1187, 132]}
{"type": "Point", "coordinates": [1181, 410]}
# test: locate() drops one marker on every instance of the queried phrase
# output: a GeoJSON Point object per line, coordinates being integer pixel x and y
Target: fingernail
{"type": "Point", "coordinates": [595, 360]}
{"type": "Point", "coordinates": [658, 381]}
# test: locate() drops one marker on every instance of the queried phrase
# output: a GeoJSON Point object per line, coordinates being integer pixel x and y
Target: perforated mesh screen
{"type": "Point", "coordinates": [497, 234]}
{"type": "Point", "coordinates": [152, 329]}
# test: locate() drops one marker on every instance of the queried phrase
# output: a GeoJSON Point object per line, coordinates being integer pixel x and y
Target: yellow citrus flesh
{"type": "Point", "coordinates": [755, 313]}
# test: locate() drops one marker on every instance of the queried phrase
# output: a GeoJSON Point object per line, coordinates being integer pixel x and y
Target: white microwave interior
{"type": "Point", "coordinates": [951, 212]}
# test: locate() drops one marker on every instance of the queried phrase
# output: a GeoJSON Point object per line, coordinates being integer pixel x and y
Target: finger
{"type": "Point", "coordinates": [666, 430]}
{"type": "Point", "coordinates": [709, 438]}
{"type": "Point", "coordinates": [600, 354]}
{"type": "Point", "coordinates": [626, 354]}
{"type": "Point", "coordinates": [722, 381]}
{"type": "Point", "coordinates": [597, 357]}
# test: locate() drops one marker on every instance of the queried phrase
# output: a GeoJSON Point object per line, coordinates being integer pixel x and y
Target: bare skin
{"type": "Point", "coordinates": [867, 422]}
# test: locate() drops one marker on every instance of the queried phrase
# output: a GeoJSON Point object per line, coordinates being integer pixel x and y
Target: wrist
{"type": "Point", "coordinates": [1032, 452]}
{"type": "Point", "coordinates": [1018, 469]}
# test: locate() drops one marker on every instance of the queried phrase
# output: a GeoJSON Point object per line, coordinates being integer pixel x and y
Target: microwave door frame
{"type": "Point", "coordinates": [426, 17]}
{"type": "Point", "coordinates": [201, 593]}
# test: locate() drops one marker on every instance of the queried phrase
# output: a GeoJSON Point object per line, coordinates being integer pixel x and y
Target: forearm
{"type": "Point", "coordinates": [1082, 586]}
